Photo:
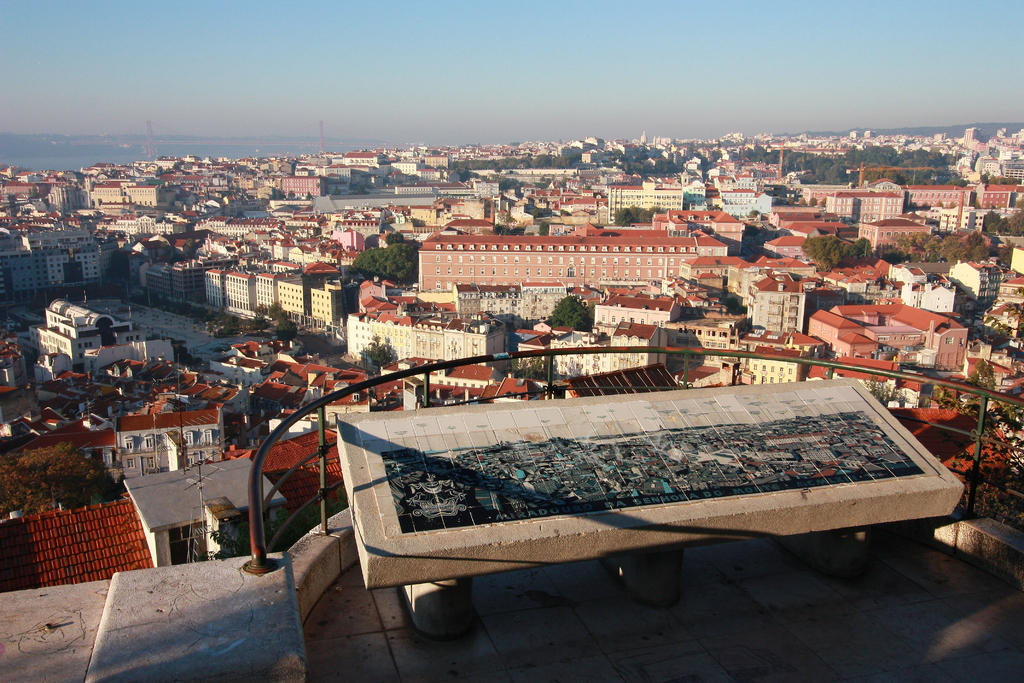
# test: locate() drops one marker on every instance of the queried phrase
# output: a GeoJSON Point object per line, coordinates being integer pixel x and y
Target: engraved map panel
{"type": "Point", "coordinates": [453, 470]}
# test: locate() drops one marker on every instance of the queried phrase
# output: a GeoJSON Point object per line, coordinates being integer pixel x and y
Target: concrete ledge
{"type": "Point", "coordinates": [208, 621]}
{"type": "Point", "coordinates": [48, 633]}
{"type": "Point", "coordinates": [985, 543]}
{"type": "Point", "coordinates": [318, 560]}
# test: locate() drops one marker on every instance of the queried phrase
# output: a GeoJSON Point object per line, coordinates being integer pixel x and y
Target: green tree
{"type": "Point", "coordinates": [379, 352]}
{"type": "Point", "coordinates": [826, 252]}
{"type": "Point", "coordinates": [40, 479]}
{"type": "Point", "coordinates": [286, 330]}
{"type": "Point", "coordinates": [862, 248]}
{"type": "Point", "coordinates": [634, 214]}
{"type": "Point", "coordinates": [571, 312]}
{"type": "Point", "coordinates": [529, 368]}
{"type": "Point", "coordinates": [394, 238]}
{"type": "Point", "coordinates": [276, 313]}
{"type": "Point", "coordinates": [982, 376]}
{"type": "Point", "coordinates": [394, 262]}
{"type": "Point", "coordinates": [544, 229]}
{"type": "Point", "coordinates": [884, 392]}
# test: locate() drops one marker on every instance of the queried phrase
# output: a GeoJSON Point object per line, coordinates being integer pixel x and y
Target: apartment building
{"type": "Point", "coordinates": [777, 303]}
{"type": "Point", "coordinates": [980, 281]}
{"type": "Point", "coordinates": [327, 306]}
{"type": "Point", "coordinates": [648, 195]}
{"type": "Point", "coordinates": [512, 304]}
{"type": "Point", "coordinates": [707, 333]}
{"type": "Point", "coordinates": [300, 186]}
{"type": "Point", "coordinates": [39, 259]}
{"type": "Point", "coordinates": [182, 281]}
{"type": "Point", "coordinates": [725, 227]}
{"type": "Point", "coordinates": [772, 371]}
{"type": "Point", "coordinates": [889, 331]}
{"type": "Point", "coordinates": [293, 298]}
{"type": "Point", "coordinates": [643, 310]}
{"type": "Point", "coordinates": [427, 336]}
{"type": "Point", "coordinates": [168, 441]}
{"type": "Point", "coordinates": [589, 257]}
{"type": "Point", "coordinates": [624, 334]}
{"type": "Point", "coordinates": [931, 296]}
{"type": "Point", "coordinates": [740, 203]}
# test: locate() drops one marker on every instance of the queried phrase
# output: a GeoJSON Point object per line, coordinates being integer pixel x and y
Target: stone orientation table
{"type": "Point", "coordinates": [448, 493]}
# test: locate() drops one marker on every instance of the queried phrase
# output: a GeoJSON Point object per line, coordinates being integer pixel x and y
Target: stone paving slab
{"type": "Point", "coordinates": [749, 612]}
{"type": "Point", "coordinates": [47, 634]}
{"type": "Point", "coordinates": [200, 622]}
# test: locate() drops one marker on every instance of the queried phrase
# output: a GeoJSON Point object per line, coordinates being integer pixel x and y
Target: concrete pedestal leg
{"type": "Point", "coordinates": [649, 578]}
{"type": "Point", "coordinates": [441, 610]}
{"type": "Point", "coordinates": [842, 553]}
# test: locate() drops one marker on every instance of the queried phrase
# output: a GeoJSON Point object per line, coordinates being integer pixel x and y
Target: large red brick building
{"type": "Point", "coordinates": [592, 256]}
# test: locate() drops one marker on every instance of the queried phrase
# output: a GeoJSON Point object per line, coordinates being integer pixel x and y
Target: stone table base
{"type": "Point", "coordinates": [441, 610]}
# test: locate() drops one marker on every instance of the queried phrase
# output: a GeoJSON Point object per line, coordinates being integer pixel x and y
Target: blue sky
{"type": "Point", "coordinates": [453, 72]}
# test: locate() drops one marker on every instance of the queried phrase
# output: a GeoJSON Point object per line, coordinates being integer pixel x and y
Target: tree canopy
{"type": "Point", "coordinates": [828, 252]}
{"type": "Point", "coordinates": [994, 223]}
{"type": "Point", "coordinates": [40, 479]}
{"type": "Point", "coordinates": [932, 248]}
{"type": "Point", "coordinates": [396, 261]}
{"type": "Point", "coordinates": [379, 351]}
{"type": "Point", "coordinates": [571, 312]}
{"type": "Point", "coordinates": [634, 214]}
{"type": "Point", "coordinates": [836, 170]}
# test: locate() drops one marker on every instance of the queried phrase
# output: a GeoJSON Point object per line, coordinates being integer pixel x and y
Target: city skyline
{"type": "Point", "coordinates": [461, 73]}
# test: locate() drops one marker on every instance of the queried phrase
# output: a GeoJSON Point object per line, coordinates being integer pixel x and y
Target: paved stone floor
{"type": "Point", "coordinates": [749, 612]}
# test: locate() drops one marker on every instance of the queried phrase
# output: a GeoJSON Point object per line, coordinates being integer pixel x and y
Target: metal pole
{"type": "Point", "coordinates": [426, 389]}
{"type": "Point", "coordinates": [686, 369]}
{"type": "Point", "coordinates": [976, 469]}
{"type": "Point", "coordinates": [322, 438]}
{"type": "Point", "coordinates": [550, 391]}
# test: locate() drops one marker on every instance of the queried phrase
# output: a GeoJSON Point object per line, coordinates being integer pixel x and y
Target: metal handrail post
{"type": "Point", "coordinates": [323, 447]}
{"type": "Point", "coordinates": [686, 369]}
{"type": "Point", "coordinates": [550, 391]}
{"type": "Point", "coordinates": [976, 469]}
{"type": "Point", "coordinates": [426, 389]}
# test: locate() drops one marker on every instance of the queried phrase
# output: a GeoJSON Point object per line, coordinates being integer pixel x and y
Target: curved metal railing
{"type": "Point", "coordinates": [259, 562]}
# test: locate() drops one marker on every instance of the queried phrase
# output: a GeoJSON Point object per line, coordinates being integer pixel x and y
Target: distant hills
{"type": "Point", "coordinates": [985, 130]}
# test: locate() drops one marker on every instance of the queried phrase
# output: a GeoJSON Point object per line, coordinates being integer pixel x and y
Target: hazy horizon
{"type": "Point", "coordinates": [460, 73]}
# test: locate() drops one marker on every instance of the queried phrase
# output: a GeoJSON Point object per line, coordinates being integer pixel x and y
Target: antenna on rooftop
{"type": "Point", "coordinates": [198, 530]}
{"type": "Point", "coordinates": [150, 149]}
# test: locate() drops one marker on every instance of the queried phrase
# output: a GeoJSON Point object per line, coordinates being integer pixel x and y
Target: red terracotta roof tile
{"type": "Point", "coordinates": [71, 546]}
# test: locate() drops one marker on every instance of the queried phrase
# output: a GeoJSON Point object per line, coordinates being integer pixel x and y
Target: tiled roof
{"type": "Point", "coordinates": [944, 445]}
{"type": "Point", "coordinates": [71, 546]}
{"type": "Point", "coordinates": [136, 423]}
{"type": "Point", "coordinates": [305, 481]}
{"type": "Point", "coordinates": [630, 381]}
